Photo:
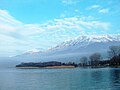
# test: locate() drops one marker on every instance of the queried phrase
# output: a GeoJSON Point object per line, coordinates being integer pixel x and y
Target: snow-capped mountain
{"type": "Point", "coordinates": [74, 49]}
{"type": "Point", "coordinates": [87, 40]}
{"type": "Point", "coordinates": [32, 51]}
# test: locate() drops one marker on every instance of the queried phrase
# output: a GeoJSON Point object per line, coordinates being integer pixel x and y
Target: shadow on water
{"type": "Point", "coordinates": [108, 79]}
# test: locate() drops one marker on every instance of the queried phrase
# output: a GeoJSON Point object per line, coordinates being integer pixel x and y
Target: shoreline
{"type": "Point", "coordinates": [48, 67]}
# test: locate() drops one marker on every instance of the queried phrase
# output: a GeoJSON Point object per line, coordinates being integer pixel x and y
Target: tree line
{"type": "Point", "coordinates": [93, 60]}
{"type": "Point", "coordinates": [96, 58]}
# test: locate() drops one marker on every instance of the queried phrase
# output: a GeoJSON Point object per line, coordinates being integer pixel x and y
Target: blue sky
{"type": "Point", "coordinates": [42, 24]}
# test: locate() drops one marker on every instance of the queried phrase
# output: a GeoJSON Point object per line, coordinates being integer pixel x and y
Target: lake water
{"type": "Point", "coordinates": [60, 79]}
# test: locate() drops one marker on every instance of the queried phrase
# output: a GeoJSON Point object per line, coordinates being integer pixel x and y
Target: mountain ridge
{"type": "Point", "coordinates": [74, 49]}
{"type": "Point", "coordinates": [91, 38]}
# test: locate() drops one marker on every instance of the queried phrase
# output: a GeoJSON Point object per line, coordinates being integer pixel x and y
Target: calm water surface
{"type": "Point", "coordinates": [60, 79]}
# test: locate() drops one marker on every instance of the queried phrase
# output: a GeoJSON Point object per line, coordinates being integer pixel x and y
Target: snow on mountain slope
{"type": "Point", "coordinates": [32, 51]}
{"type": "Point", "coordinates": [86, 40]}
{"type": "Point", "coordinates": [74, 49]}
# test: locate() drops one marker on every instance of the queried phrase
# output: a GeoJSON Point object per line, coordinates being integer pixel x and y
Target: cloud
{"type": "Point", "coordinates": [98, 8]}
{"type": "Point", "coordinates": [67, 1]}
{"type": "Point", "coordinates": [19, 36]}
{"type": "Point", "coordinates": [78, 24]}
{"type": "Point", "coordinates": [93, 7]}
{"type": "Point", "coordinates": [70, 2]}
{"type": "Point", "coordinates": [6, 18]}
{"type": "Point", "coordinates": [104, 10]}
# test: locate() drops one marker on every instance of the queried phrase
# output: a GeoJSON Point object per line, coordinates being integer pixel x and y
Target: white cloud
{"type": "Point", "coordinates": [70, 2]}
{"type": "Point", "coordinates": [22, 36]}
{"type": "Point", "coordinates": [93, 7]}
{"type": "Point", "coordinates": [106, 10]}
{"type": "Point", "coordinates": [5, 17]}
{"type": "Point", "coordinates": [53, 26]}
{"type": "Point", "coordinates": [98, 8]}
{"type": "Point", "coordinates": [67, 1]}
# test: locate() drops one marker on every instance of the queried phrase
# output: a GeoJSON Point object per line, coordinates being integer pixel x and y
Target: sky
{"type": "Point", "coordinates": [42, 24]}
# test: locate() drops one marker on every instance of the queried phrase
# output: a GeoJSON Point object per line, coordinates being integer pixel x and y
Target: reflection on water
{"type": "Point", "coordinates": [60, 79]}
{"type": "Point", "coordinates": [115, 79]}
{"type": "Point", "coordinates": [96, 75]}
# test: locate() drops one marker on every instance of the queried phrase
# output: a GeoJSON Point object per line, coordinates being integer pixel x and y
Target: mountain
{"type": "Point", "coordinates": [72, 50]}
{"type": "Point", "coordinates": [32, 51]}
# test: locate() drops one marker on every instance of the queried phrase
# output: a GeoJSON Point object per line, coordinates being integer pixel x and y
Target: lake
{"type": "Point", "coordinates": [60, 79]}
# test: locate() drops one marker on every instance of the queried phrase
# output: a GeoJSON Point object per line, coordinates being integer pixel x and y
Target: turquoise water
{"type": "Point", "coordinates": [60, 79]}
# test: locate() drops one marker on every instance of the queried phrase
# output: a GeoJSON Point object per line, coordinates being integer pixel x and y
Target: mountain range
{"type": "Point", "coordinates": [73, 49]}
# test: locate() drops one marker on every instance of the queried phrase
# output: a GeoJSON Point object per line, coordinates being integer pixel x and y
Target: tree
{"type": "Point", "coordinates": [114, 55]}
{"type": "Point", "coordinates": [83, 60]}
{"type": "Point", "coordinates": [95, 58]}
{"type": "Point", "coordinates": [114, 51]}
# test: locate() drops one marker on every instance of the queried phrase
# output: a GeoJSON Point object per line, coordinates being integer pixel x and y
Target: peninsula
{"type": "Point", "coordinates": [50, 64]}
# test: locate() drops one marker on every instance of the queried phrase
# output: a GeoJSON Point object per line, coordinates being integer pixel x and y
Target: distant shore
{"type": "Point", "coordinates": [48, 67]}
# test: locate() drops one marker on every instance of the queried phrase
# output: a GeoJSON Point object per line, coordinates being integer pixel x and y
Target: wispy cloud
{"type": "Point", "coordinates": [7, 18]}
{"type": "Point", "coordinates": [106, 10]}
{"type": "Point", "coordinates": [98, 8]}
{"type": "Point", "coordinates": [70, 2]}
{"type": "Point", "coordinates": [93, 7]}
{"type": "Point", "coordinates": [78, 24]}
{"type": "Point", "coordinates": [26, 36]}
